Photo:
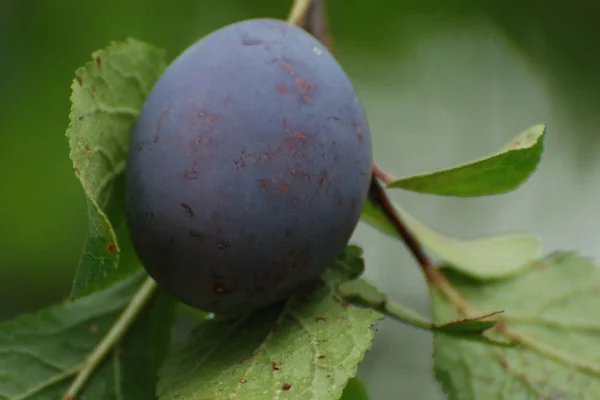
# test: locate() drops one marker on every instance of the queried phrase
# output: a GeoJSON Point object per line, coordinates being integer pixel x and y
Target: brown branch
{"type": "Point", "coordinates": [311, 15]}
{"type": "Point", "coordinates": [379, 198]}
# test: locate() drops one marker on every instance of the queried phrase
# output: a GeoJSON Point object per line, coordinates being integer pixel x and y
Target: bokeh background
{"type": "Point", "coordinates": [443, 81]}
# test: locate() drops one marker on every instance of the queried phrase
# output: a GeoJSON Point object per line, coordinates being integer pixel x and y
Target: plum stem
{"type": "Point", "coordinates": [298, 12]}
{"type": "Point", "coordinates": [116, 333]}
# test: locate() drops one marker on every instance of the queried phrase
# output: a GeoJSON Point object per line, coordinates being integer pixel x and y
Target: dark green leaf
{"type": "Point", "coordinates": [40, 353]}
{"type": "Point", "coordinates": [108, 93]}
{"type": "Point", "coordinates": [497, 173]}
{"type": "Point", "coordinates": [495, 257]}
{"type": "Point", "coordinates": [551, 313]}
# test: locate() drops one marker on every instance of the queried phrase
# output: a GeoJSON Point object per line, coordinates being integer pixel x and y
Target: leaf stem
{"type": "Point", "coordinates": [116, 332]}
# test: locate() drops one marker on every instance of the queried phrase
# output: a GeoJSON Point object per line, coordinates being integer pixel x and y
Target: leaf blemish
{"type": "Point", "coordinates": [320, 320]}
{"type": "Point", "coordinates": [99, 62]}
{"type": "Point", "coordinates": [286, 386]}
{"type": "Point", "coordinates": [275, 365]}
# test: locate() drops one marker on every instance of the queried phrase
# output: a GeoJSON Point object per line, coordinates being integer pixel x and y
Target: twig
{"type": "Point", "coordinates": [379, 197]}
{"type": "Point", "coordinates": [116, 332]}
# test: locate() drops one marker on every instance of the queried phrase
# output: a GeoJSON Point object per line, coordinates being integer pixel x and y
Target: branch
{"type": "Point", "coordinates": [311, 15]}
{"type": "Point", "coordinates": [379, 197]}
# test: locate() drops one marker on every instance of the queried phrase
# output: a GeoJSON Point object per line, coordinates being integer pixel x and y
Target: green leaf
{"type": "Point", "coordinates": [40, 353]}
{"type": "Point", "coordinates": [500, 172]}
{"type": "Point", "coordinates": [355, 390]}
{"type": "Point", "coordinates": [305, 347]}
{"type": "Point", "coordinates": [496, 257]}
{"type": "Point", "coordinates": [551, 313]}
{"type": "Point", "coordinates": [107, 95]}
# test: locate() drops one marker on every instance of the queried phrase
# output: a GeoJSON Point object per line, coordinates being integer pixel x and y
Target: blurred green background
{"type": "Point", "coordinates": [442, 82]}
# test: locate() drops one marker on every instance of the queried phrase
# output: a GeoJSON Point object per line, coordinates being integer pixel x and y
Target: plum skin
{"type": "Point", "coordinates": [248, 168]}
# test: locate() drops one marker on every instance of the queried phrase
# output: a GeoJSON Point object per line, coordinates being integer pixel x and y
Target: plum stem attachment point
{"type": "Point", "coordinates": [434, 277]}
{"type": "Point", "coordinates": [116, 333]}
{"type": "Point", "coordinates": [298, 12]}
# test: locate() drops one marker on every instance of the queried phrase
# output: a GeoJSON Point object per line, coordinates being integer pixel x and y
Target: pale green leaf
{"type": "Point", "coordinates": [107, 95]}
{"type": "Point", "coordinates": [551, 314]}
{"type": "Point", "coordinates": [306, 347]}
{"type": "Point", "coordinates": [500, 172]}
{"type": "Point", "coordinates": [488, 258]}
{"type": "Point", "coordinates": [41, 352]}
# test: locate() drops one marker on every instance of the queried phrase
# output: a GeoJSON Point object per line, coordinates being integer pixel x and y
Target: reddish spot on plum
{"type": "Point", "coordinates": [305, 88]}
{"type": "Point", "coordinates": [212, 120]}
{"type": "Point", "coordinates": [283, 90]}
{"type": "Point", "coordinates": [299, 135]}
{"type": "Point", "coordinates": [190, 174]}
{"type": "Point", "coordinates": [79, 81]}
{"type": "Point", "coordinates": [252, 42]}
{"type": "Point", "coordinates": [187, 209]}
{"type": "Point", "coordinates": [99, 62]}
{"type": "Point", "coordinates": [275, 365]}
{"type": "Point", "coordinates": [324, 178]}
{"type": "Point", "coordinates": [359, 133]}
{"type": "Point", "coordinates": [264, 184]}
{"type": "Point", "coordinates": [289, 69]}
{"type": "Point", "coordinates": [286, 123]}
{"type": "Point", "coordinates": [284, 190]}
{"type": "Point", "coordinates": [320, 320]}
{"type": "Point", "coordinates": [286, 387]}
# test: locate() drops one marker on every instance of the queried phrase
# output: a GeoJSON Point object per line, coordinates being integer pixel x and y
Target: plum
{"type": "Point", "coordinates": [248, 167]}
